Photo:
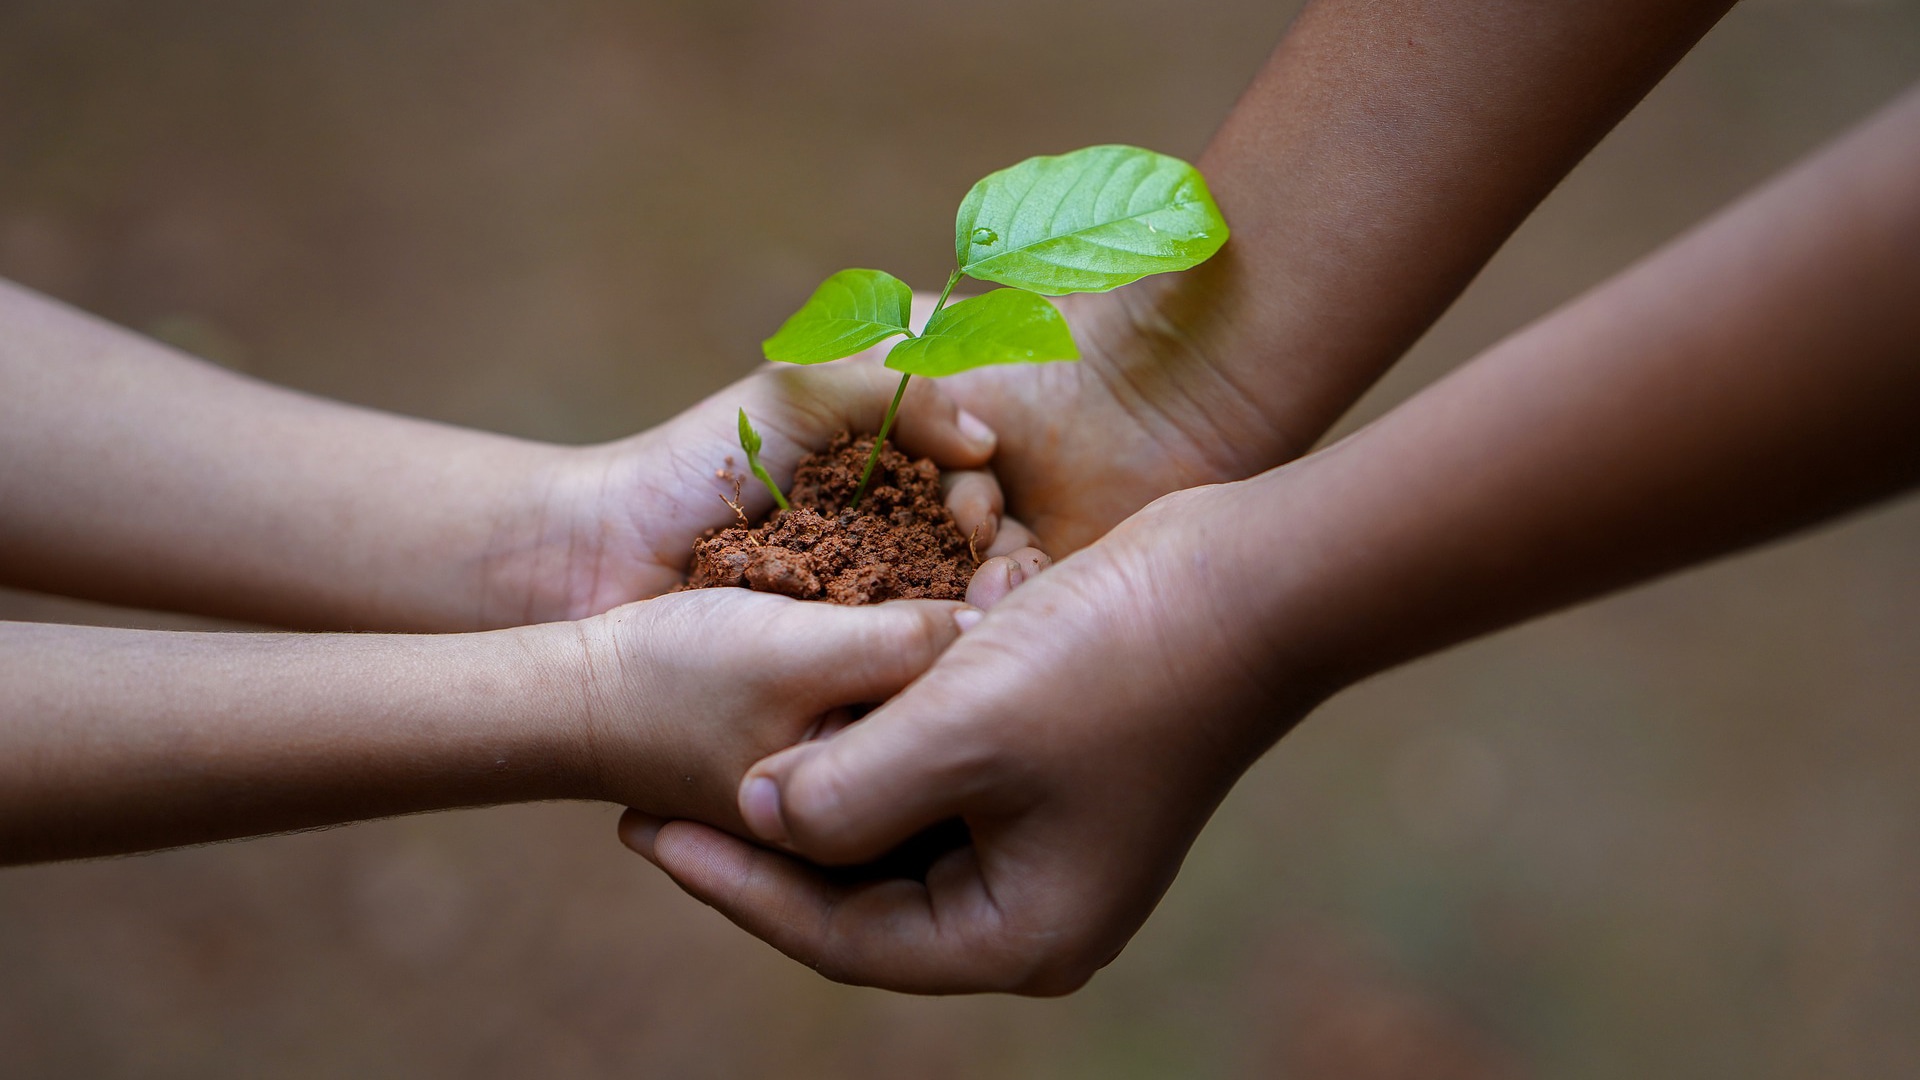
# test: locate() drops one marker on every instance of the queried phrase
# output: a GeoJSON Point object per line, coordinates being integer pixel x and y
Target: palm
{"type": "Point", "coordinates": [619, 521]}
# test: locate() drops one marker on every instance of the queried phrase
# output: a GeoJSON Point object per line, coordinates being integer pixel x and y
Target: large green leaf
{"type": "Point", "coordinates": [1006, 326]}
{"type": "Point", "coordinates": [1088, 221]}
{"type": "Point", "coordinates": [848, 312]}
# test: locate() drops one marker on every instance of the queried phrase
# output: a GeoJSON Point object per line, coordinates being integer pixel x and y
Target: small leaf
{"type": "Point", "coordinates": [750, 442]}
{"type": "Point", "coordinates": [1006, 326]}
{"type": "Point", "coordinates": [1088, 221]}
{"type": "Point", "coordinates": [848, 312]}
{"type": "Point", "coordinates": [749, 438]}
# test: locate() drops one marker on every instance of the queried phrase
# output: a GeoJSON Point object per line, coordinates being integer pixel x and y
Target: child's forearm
{"type": "Point", "coordinates": [115, 741]}
{"type": "Point", "coordinates": [135, 475]}
{"type": "Point", "coordinates": [1761, 374]}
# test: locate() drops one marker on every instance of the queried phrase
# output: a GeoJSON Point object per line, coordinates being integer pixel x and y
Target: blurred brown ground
{"type": "Point", "coordinates": [1672, 834]}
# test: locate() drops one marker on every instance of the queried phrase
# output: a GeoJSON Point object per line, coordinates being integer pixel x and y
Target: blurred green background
{"type": "Point", "coordinates": [1676, 833]}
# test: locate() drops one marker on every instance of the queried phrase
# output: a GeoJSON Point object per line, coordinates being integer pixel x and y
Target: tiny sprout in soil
{"type": "Point", "coordinates": [750, 442]}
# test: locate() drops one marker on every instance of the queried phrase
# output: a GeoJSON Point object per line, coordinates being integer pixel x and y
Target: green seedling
{"type": "Point", "coordinates": [750, 442]}
{"type": "Point", "coordinates": [1088, 221]}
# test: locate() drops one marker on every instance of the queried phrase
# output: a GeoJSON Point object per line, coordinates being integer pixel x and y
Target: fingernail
{"type": "Point", "coordinates": [967, 618]}
{"type": "Point", "coordinates": [760, 806]}
{"type": "Point", "coordinates": [1015, 573]}
{"type": "Point", "coordinates": [975, 431]}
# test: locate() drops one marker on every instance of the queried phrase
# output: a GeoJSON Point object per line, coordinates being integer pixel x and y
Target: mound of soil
{"type": "Point", "coordinates": [901, 544]}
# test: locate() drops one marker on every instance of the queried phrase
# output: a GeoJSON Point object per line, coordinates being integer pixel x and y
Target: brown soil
{"type": "Point", "coordinates": [901, 544]}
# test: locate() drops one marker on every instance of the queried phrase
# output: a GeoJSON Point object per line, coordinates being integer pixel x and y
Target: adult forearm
{"type": "Point", "coordinates": [1379, 159]}
{"type": "Point", "coordinates": [132, 474]}
{"type": "Point", "coordinates": [1759, 375]}
{"type": "Point", "coordinates": [115, 741]}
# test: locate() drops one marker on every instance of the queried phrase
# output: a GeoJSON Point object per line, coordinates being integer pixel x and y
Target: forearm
{"type": "Point", "coordinates": [1759, 375]}
{"type": "Point", "coordinates": [135, 475]}
{"type": "Point", "coordinates": [114, 741]}
{"type": "Point", "coordinates": [1378, 160]}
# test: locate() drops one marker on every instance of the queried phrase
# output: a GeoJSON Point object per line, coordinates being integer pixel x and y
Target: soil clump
{"type": "Point", "coordinates": [901, 544]}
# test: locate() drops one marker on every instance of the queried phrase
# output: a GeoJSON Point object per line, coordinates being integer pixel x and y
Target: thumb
{"type": "Point", "coordinates": [856, 796]}
{"type": "Point", "coordinates": [835, 655]}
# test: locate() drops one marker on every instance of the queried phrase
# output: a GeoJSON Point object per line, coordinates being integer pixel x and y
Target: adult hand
{"type": "Point", "coordinates": [1753, 378]}
{"type": "Point", "coordinates": [1082, 762]}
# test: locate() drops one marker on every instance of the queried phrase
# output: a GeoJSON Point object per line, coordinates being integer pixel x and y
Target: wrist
{"type": "Point", "coordinates": [1343, 574]}
{"type": "Point", "coordinates": [1206, 363]}
{"type": "Point", "coordinates": [539, 558]}
{"type": "Point", "coordinates": [532, 699]}
{"type": "Point", "coordinates": [1266, 603]}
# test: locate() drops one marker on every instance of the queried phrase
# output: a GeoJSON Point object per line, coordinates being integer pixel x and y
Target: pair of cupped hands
{"type": "Point", "coordinates": [1083, 722]}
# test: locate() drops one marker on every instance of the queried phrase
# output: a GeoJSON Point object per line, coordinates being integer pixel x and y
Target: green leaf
{"type": "Point", "coordinates": [848, 312]}
{"type": "Point", "coordinates": [1006, 326]}
{"type": "Point", "coordinates": [749, 438]}
{"type": "Point", "coordinates": [1088, 221]}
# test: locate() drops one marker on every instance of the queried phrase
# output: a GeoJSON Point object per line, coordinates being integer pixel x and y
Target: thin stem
{"type": "Point", "coordinates": [886, 425]}
{"type": "Point", "coordinates": [874, 457]}
{"type": "Point", "coordinates": [952, 280]}
{"type": "Point", "coordinates": [760, 471]}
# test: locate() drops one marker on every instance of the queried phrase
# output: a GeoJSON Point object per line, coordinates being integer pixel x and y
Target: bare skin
{"type": "Point", "coordinates": [132, 474]}
{"type": "Point", "coordinates": [1379, 159]}
{"type": "Point", "coordinates": [1759, 375]}
{"type": "Point", "coordinates": [136, 475]}
{"type": "Point", "coordinates": [123, 740]}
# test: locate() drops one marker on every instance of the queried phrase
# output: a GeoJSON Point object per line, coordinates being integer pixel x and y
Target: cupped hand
{"type": "Point", "coordinates": [615, 523]}
{"type": "Point", "coordinates": [685, 692]}
{"type": "Point", "coordinates": [1083, 731]}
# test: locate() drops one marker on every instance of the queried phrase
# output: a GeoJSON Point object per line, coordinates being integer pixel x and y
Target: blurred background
{"type": "Point", "coordinates": [1676, 833]}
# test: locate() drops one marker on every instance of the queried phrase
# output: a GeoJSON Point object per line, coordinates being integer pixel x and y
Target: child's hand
{"type": "Point", "coordinates": [684, 692]}
{"type": "Point", "coordinates": [616, 523]}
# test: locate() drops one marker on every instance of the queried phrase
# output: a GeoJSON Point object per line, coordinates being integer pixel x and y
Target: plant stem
{"type": "Point", "coordinates": [887, 424]}
{"type": "Point", "coordinates": [760, 471]}
{"type": "Point", "coordinates": [952, 280]}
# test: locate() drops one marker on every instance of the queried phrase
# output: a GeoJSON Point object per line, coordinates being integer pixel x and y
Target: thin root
{"type": "Point", "coordinates": [740, 512]}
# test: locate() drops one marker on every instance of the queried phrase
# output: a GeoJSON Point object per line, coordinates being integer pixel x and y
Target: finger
{"type": "Point", "coordinates": [931, 424]}
{"type": "Point", "coordinates": [1032, 560]}
{"type": "Point", "coordinates": [846, 655]}
{"type": "Point", "coordinates": [898, 934]}
{"type": "Point", "coordinates": [637, 830]}
{"type": "Point", "coordinates": [798, 411]}
{"type": "Point", "coordinates": [1011, 537]}
{"type": "Point", "coordinates": [994, 581]}
{"type": "Point", "coordinates": [974, 499]}
{"type": "Point", "coordinates": [1000, 575]}
{"type": "Point", "coordinates": [855, 797]}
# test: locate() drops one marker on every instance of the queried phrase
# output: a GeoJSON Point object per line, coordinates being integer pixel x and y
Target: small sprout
{"type": "Point", "coordinates": [750, 442]}
{"type": "Point", "coordinates": [1088, 221]}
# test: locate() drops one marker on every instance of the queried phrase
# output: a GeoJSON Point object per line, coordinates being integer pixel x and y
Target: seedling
{"type": "Point", "coordinates": [750, 442]}
{"type": "Point", "coordinates": [1088, 221]}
